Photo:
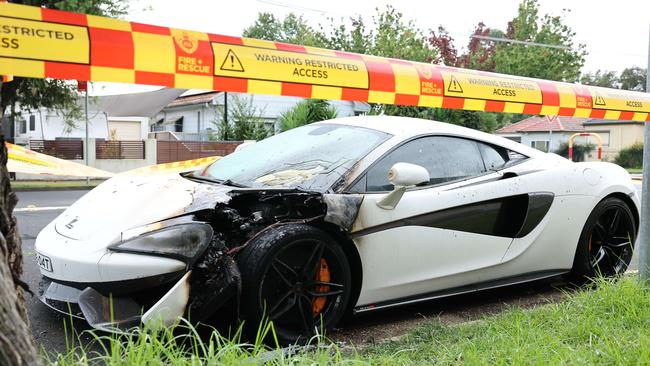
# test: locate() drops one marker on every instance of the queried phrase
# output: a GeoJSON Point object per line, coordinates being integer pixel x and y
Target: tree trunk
{"type": "Point", "coordinates": [16, 344]}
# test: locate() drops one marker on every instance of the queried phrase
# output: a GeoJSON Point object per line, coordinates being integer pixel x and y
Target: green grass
{"type": "Point", "coordinates": [634, 170]}
{"type": "Point", "coordinates": [53, 184]}
{"type": "Point", "coordinates": [609, 325]}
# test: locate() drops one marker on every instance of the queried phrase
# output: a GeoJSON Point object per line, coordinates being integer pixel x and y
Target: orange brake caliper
{"type": "Point", "coordinates": [323, 275]}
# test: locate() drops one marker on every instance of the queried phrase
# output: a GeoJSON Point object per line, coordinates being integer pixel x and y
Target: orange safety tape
{"type": "Point", "coordinates": [56, 44]}
{"type": "Point", "coordinates": [174, 167]}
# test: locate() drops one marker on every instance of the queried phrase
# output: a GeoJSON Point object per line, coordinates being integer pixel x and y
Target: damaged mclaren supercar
{"type": "Point", "coordinates": [333, 218]}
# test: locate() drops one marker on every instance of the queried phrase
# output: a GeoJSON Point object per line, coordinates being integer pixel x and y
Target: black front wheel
{"type": "Point", "coordinates": [607, 241]}
{"type": "Point", "coordinates": [296, 276]}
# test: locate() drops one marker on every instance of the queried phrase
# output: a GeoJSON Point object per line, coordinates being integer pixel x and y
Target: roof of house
{"type": "Point", "coordinates": [541, 124]}
{"type": "Point", "coordinates": [597, 122]}
{"type": "Point", "coordinates": [200, 98]}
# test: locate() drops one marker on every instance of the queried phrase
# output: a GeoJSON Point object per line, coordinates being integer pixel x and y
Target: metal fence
{"type": "Point", "coordinates": [62, 149]}
{"type": "Point", "coordinates": [170, 151]}
{"type": "Point", "coordinates": [115, 149]}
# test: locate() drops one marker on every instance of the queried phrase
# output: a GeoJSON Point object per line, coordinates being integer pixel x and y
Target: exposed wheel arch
{"type": "Point", "coordinates": [354, 260]}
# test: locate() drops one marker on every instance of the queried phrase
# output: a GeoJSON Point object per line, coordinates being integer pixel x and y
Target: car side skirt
{"type": "Point", "coordinates": [527, 277]}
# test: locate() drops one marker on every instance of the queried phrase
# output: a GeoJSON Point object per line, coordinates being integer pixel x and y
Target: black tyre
{"type": "Point", "coordinates": [607, 241]}
{"type": "Point", "coordinates": [298, 277]}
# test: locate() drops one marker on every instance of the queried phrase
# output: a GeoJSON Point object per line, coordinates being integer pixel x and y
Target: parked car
{"type": "Point", "coordinates": [343, 216]}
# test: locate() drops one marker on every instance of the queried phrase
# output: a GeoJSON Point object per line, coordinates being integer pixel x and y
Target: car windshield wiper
{"type": "Point", "coordinates": [225, 182]}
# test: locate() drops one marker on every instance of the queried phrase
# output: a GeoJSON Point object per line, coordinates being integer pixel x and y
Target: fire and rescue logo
{"type": "Point", "coordinates": [188, 43]}
{"type": "Point", "coordinates": [193, 55]}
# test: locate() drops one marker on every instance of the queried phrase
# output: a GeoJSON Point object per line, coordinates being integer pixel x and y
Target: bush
{"type": "Point", "coordinates": [306, 112]}
{"type": "Point", "coordinates": [631, 157]}
{"type": "Point", "coordinates": [579, 151]}
{"type": "Point", "coordinates": [245, 121]}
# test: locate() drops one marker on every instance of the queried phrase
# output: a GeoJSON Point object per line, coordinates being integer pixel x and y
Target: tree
{"type": "Point", "coordinates": [633, 78]}
{"type": "Point", "coordinates": [245, 121]}
{"type": "Point", "coordinates": [534, 61]}
{"type": "Point", "coordinates": [606, 79]}
{"type": "Point", "coordinates": [389, 35]}
{"type": "Point", "coordinates": [292, 29]}
{"type": "Point", "coordinates": [306, 112]}
{"type": "Point", "coordinates": [16, 345]}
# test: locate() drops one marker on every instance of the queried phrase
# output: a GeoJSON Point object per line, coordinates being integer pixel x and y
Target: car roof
{"type": "Point", "coordinates": [405, 127]}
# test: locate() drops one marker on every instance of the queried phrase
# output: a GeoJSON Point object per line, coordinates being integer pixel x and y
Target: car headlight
{"type": "Point", "coordinates": [185, 242]}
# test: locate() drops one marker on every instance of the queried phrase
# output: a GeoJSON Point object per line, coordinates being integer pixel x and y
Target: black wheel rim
{"type": "Point", "coordinates": [611, 242]}
{"type": "Point", "coordinates": [291, 285]}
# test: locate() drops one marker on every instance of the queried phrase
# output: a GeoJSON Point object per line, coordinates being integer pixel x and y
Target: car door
{"type": "Point", "coordinates": [441, 233]}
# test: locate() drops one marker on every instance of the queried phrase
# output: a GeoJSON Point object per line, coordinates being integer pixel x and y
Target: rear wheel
{"type": "Point", "coordinates": [297, 277]}
{"type": "Point", "coordinates": [607, 241]}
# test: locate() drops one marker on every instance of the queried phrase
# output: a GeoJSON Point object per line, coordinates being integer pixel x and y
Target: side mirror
{"type": "Point", "coordinates": [402, 176]}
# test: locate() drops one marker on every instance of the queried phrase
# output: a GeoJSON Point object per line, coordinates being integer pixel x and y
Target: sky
{"type": "Point", "coordinates": [615, 32]}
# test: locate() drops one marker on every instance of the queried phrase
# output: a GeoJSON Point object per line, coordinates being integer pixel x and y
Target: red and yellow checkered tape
{"type": "Point", "coordinates": [39, 42]}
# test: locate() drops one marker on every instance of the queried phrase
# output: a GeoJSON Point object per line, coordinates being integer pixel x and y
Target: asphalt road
{"type": "Point", "coordinates": [36, 209]}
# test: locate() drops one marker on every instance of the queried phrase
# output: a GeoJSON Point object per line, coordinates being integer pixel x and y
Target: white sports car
{"type": "Point", "coordinates": [349, 215]}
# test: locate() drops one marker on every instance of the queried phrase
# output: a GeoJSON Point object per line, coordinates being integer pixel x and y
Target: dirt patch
{"type": "Point", "coordinates": [383, 325]}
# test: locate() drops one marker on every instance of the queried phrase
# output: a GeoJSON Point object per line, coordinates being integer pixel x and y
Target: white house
{"type": "Point", "coordinates": [539, 133]}
{"type": "Point", "coordinates": [194, 114]}
{"type": "Point", "coordinates": [119, 117]}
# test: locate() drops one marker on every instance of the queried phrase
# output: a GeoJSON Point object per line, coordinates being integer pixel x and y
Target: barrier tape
{"type": "Point", "coordinates": [22, 160]}
{"type": "Point", "coordinates": [38, 42]}
{"type": "Point", "coordinates": [26, 161]}
{"type": "Point", "coordinates": [174, 167]}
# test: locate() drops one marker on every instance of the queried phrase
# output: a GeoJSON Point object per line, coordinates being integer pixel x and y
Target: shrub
{"type": "Point", "coordinates": [579, 151]}
{"type": "Point", "coordinates": [306, 112]}
{"type": "Point", "coordinates": [631, 157]}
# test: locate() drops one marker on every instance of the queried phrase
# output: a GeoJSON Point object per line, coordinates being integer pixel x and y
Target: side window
{"type": "Point", "coordinates": [446, 159]}
{"type": "Point", "coordinates": [497, 158]}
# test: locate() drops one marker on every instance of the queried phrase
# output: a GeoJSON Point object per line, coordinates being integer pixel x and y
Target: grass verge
{"type": "Point", "coordinates": [609, 324]}
{"type": "Point", "coordinates": [634, 170]}
{"type": "Point", "coordinates": [35, 185]}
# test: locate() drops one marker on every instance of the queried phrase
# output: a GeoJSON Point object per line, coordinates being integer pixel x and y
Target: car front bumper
{"type": "Point", "coordinates": [158, 300]}
{"type": "Point", "coordinates": [116, 291]}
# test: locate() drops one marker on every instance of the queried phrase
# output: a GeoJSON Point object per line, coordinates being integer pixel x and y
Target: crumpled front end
{"type": "Point", "coordinates": [182, 264]}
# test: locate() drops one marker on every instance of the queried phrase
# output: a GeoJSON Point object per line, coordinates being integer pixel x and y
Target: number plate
{"type": "Point", "coordinates": [44, 262]}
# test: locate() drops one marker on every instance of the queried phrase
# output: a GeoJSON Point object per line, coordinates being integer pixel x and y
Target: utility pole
{"type": "Point", "coordinates": [644, 230]}
{"type": "Point", "coordinates": [225, 111]}
{"type": "Point", "coordinates": [86, 144]}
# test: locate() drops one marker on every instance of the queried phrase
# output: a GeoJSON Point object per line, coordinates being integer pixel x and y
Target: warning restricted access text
{"type": "Point", "coordinates": [274, 65]}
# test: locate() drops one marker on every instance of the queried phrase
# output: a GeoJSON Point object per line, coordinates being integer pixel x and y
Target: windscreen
{"type": "Point", "coordinates": [312, 157]}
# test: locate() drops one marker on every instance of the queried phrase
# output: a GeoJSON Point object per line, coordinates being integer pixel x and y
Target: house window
{"type": "Point", "coordinates": [178, 125]}
{"type": "Point", "coordinates": [158, 126]}
{"type": "Point", "coordinates": [22, 126]}
{"type": "Point", "coordinates": [540, 145]}
{"type": "Point", "coordinates": [32, 122]}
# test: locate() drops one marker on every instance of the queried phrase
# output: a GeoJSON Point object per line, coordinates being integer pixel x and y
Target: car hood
{"type": "Point", "coordinates": [125, 202]}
